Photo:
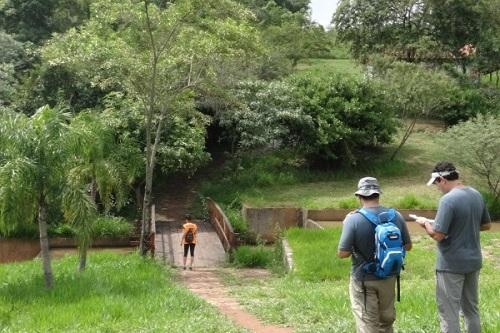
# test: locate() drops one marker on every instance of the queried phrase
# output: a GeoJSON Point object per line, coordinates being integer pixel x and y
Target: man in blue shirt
{"type": "Point", "coordinates": [461, 215]}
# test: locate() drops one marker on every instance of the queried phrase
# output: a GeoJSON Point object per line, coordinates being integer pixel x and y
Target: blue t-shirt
{"type": "Point", "coordinates": [358, 237]}
{"type": "Point", "coordinates": [460, 215]}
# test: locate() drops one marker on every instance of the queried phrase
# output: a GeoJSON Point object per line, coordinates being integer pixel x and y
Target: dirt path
{"type": "Point", "coordinates": [206, 284]}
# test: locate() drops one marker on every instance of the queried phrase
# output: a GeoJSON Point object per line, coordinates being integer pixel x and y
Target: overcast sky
{"type": "Point", "coordinates": [322, 11]}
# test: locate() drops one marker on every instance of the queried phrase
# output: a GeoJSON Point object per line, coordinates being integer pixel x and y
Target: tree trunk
{"type": "Point", "coordinates": [44, 243]}
{"type": "Point", "coordinates": [146, 211]}
{"type": "Point", "coordinates": [407, 134]}
{"type": "Point", "coordinates": [83, 259]}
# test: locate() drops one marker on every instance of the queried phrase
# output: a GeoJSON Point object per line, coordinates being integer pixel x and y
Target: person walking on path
{"type": "Point", "coordinates": [460, 217]}
{"type": "Point", "coordinates": [372, 298]}
{"type": "Point", "coordinates": [188, 240]}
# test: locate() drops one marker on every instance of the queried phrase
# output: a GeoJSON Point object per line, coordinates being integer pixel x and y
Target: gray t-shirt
{"type": "Point", "coordinates": [460, 215]}
{"type": "Point", "coordinates": [358, 237]}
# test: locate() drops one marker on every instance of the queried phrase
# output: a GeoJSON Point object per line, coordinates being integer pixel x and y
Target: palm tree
{"type": "Point", "coordinates": [32, 172]}
{"type": "Point", "coordinates": [97, 163]}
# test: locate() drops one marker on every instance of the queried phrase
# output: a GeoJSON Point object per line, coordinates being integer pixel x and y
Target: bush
{"type": "Point", "coordinates": [62, 230]}
{"type": "Point", "coordinates": [111, 226]}
{"type": "Point", "coordinates": [347, 116]}
{"type": "Point", "coordinates": [252, 256]}
{"type": "Point", "coordinates": [236, 220]}
{"type": "Point", "coordinates": [411, 201]}
{"type": "Point", "coordinates": [103, 226]}
{"type": "Point", "coordinates": [492, 205]}
{"type": "Point", "coordinates": [349, 203]}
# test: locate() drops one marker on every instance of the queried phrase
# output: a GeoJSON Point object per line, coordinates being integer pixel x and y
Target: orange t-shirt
{"type": "Point", "coordinates": [185, 228]}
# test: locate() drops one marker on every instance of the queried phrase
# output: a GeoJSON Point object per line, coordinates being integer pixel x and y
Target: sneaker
{"type": "Point", "coordinates": [184, 268]}
{"type": "Point", "coordinates": [190, 268]}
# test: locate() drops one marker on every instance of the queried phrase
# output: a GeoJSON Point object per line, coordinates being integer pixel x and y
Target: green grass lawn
{"type": "Point", "coordinates": [315, 297]}
{"type": "Point", "coordinates": [117, 293]}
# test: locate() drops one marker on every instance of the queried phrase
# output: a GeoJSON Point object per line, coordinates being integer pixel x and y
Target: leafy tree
{"type": "Point", "coordinates": [11, 57]}
{"type": "Point", "coordinates": [475, 145]}
{"type": "Point", "coordinates": [32, 174]}
{"type": "Point", "coordinates": [346, 117]}
{"type": "Point", "coordinates": [390, 27]}
{"type": "Point", "coordinates": [456, 24]}
{"type": "Point", "coordinates": [263, 115]}
{"type": "Point", "coordinates": [416, 92]}
{"type": "Point", "coordinates": [35, 20]}
{"type": "Point", "coordinates": [158, 56]}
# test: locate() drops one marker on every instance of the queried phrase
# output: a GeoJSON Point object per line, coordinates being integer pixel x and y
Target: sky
{"type": "Point", "coordinates": [322, 11]}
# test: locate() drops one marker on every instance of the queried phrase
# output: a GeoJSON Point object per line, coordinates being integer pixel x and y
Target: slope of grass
{"type": "Point", "coordinates": [315, 297]}
{"type": "Point", "coordinates": [117, 293]}
{"type": "Point", "coordinates": [279, 180]}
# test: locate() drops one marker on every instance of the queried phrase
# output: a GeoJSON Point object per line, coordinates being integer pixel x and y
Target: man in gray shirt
{"type": "Point", "coordinates": [372, 299]}
{"type": "Point", "coordinates": [461, 215]}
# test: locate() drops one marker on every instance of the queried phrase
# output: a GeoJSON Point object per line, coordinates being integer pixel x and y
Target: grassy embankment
{"type": "Point", "coordinates": [279, 180]}
{"type": "Point", "coordinates": [315, 297]}
{"type": "Point", "coordinates": [117, 293]}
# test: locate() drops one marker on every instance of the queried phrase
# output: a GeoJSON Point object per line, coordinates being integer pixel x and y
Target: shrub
{"type": "Point", "coordinates": [349, 203]}
{"type": "Point", "coordinates": [62, 230]}
{"type": "Point", "coordinates": [475, 145]}
{"type": "Point", "coordinates": [411, 201]}
{"type": "Point", "coordinates": [237, 221]}
{"type": "Point", "coordinates": [493, 205]}
{"type": "Point", "coordinates": [252, 256]}
{"type": "Point", "coordinates": [111, 226]}
{"type": "Point", "coordinates": [346, 117]}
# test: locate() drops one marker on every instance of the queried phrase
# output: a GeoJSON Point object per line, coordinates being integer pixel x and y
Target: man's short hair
{"type": "Point", "coordinates": [446, 167]}
{"type": "Point", "coordinates": [188, 217]}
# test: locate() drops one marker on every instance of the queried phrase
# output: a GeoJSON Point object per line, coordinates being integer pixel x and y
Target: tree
{"type": "Point", "coordinates": [475, 145]}
{"type": "Point", "coordinates": [31, 171]}
{"type": "Point", "coordinates": [397, 28]}
{"type": "Point", "coordinates": [416, 92]}
{"type": "Point", "coordinates": [455, 25]}
{"type": "Point", "coordinates": [158, 56]}
{"type": "Point", "coordinates": [35, 20]}
{"type": "Point", "coordinates": [99, 165]}
{"type": "Point", "coordinates": [348, 117]}
{"type": "Point", "coordinates": [262, 114]}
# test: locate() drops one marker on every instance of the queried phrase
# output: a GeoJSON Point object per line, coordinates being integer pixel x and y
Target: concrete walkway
{"type": "Point", "coordinates": [208, 252]}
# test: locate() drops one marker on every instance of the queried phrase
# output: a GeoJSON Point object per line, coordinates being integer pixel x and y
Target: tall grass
{"type": "Point", "coordinates": [117, 293]}
{"type": "Point", "coordinates": [315, 297]}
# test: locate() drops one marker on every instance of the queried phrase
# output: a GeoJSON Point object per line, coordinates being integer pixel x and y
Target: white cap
{"type": "Point", "coordinates": [435, 175]}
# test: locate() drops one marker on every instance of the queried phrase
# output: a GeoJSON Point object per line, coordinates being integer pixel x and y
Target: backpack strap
{"type": "Point", "coordinates": [369, 215]}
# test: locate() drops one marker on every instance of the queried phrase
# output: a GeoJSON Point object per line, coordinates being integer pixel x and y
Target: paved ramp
{"type": "Point", "coordinates": [208, 252]}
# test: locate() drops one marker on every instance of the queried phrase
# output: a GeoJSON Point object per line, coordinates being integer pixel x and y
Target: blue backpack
{"type": "Point", "coordinates": [388, 259]}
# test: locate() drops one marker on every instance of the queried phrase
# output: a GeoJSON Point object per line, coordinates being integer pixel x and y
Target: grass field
{"type": "Point", "coordinates": [315, 297]}
{"type": "Point", "coordinates": [117, 293]}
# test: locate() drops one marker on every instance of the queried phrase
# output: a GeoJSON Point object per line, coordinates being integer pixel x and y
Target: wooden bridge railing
{"type": "Point", "coordinates": [222, 226]}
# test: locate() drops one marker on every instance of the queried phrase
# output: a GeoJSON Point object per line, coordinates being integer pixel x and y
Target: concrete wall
{"type": "Point", "coordinates": [18, 249]}
{"type": "Point", "coordinates": [331, 214]}
{"type": "Point", "coordinates": [267, 222]}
